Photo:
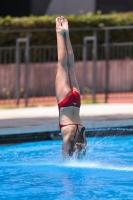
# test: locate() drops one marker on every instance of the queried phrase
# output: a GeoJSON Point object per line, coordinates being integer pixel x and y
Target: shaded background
{"type": "Point", "coordinates": [41, 7]}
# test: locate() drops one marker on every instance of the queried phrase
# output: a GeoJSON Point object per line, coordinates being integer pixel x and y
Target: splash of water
{"type": "Point", "coordinates": [97, 165]}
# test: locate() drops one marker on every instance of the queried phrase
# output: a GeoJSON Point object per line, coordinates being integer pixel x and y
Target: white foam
{"type": "Point", "coordinates": [98, 165]}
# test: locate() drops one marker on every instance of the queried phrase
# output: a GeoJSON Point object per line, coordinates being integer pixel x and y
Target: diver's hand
{"type": "Point", "coordinates": [80, 146]}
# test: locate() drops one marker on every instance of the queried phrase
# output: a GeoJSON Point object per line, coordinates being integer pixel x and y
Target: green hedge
{"type": "Point", "coordinates": [49, 38]}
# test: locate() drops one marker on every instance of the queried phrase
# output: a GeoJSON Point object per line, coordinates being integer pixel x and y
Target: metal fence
{"type": "Point", "coordinates": [112, 77]}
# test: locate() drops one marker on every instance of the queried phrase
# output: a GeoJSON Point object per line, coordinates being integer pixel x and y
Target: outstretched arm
{"type": "Point", "coordinates": [65, 147]}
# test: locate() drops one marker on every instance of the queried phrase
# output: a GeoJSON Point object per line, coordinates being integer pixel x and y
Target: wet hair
{"type": "Point", "coordinates": [77, 148]}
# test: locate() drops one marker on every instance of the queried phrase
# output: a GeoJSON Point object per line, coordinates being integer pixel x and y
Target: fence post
{"type": "Point", "coordinates": [84, 66]}
{"type": "Point", "coordinates": [18, 41]}
{"type": "Point", "coordinates": [27, 71]}
{"type": "Point", "coordinates": [17, 73]}
{"type": "Point", "coordinates": [94, 65]}
{"type": "Point", "coordinates": [106, 64]}
{"type": "Point", "coordinates": [94, 52]}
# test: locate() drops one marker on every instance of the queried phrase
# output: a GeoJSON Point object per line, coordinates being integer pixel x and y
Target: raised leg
{"type": "Point", "coordinates": [62, 82]}
{"type": "Point", "coordinates": [70, 57]}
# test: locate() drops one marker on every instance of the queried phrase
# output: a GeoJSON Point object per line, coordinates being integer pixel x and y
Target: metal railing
{"type": "Point", "coordinates": [43, 70]}
{"type": "Point", "coordinates": [112, 72]}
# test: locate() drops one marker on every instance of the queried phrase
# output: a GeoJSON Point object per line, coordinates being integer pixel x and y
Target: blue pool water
{"type": "Point", "coordinates": [36, 171]}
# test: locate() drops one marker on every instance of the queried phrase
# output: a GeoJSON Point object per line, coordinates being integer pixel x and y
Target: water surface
{"type": "Point", "coordinates": [36, 171]}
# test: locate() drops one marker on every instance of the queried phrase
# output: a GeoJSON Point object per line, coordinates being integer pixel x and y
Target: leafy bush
{"type": "Point", "coordinates": [89, 20]}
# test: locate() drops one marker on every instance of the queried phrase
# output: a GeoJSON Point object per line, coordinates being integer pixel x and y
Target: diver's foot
{"type": "Point", "coordinates": [62, 25]}
{"type": "Point", "coordinates": [59, 28]}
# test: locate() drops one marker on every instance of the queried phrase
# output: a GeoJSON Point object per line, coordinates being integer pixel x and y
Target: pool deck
{"type": "Point", "coordinates": [45, 119]}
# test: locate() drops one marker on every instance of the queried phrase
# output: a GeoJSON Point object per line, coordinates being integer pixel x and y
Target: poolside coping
{"type": "Point", "coordinates": [28, 121]}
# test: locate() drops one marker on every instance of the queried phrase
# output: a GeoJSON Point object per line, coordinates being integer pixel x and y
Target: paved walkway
{"type": "Point", "coordinates": [44, 119]}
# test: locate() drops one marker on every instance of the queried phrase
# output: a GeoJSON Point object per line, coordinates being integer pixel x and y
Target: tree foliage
{"type": "Point", "coordinates": [89, 20]}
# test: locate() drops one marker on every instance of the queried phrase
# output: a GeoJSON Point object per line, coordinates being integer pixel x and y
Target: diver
{"type": "Point", "coordinates": [68, 95]}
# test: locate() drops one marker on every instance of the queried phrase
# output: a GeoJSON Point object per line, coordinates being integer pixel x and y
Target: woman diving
{"type": "Point", "coordinates": [68, 95]}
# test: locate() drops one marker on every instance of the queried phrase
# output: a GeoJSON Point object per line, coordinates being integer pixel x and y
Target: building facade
{"type": "Point", "coordinates": [107, 6]}
{"type": "Point", "coordinates": [62, 7]}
